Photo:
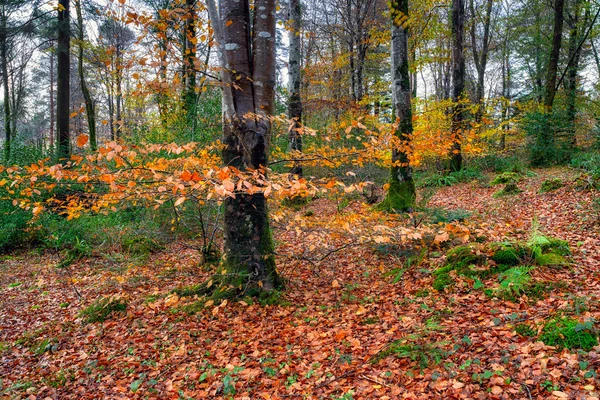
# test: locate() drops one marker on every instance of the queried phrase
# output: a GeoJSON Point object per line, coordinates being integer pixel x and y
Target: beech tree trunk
{"type": "Point", "coordinates": [89, 104]}
{"type": "Point", "coordinates": [52, 114]}
{"type": "Point", "coordinates": [249, 259]}
{"type": "Point", "coordinates": [5, 84]}
{"type": "Point", "coordinates": [554, 55]}
{"type": "Point", "coordinates": [294, 81]}
{"type": "Point", "coordinates": [458, 82]}
{"type": "Point", "coordinates": [401, 193]}
{"type": "Point", "coordinates": [63, 80]}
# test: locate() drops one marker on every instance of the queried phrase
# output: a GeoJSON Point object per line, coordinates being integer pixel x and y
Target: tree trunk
{"type": "Point", "coordinates": [481, 58]}
{"type": "Point", "coordinates": [62, 80]}
{"type": "Point", "coordinates": [52, 115]}
{"type": "Point", "coordinates": [189, 58]}
{"type": "Point", "coordinates": [458, 77]}
{"type": "Point", "coordinates": [554, 55]}
{"type": "Point", "coordinates": [294, 81]}
{"type": "Point", "coordinates": [119, 93]}
{"type": "Point", "coordinates": [249, 250]}
{"type": "Point", "coordinates": [5, 83]}
{"type": "Point", "coordinates": [89, 104]}
{"type": "Point", "coordinates": [401, 193]}
{"type": "Point", "coordinates": [573, 69]}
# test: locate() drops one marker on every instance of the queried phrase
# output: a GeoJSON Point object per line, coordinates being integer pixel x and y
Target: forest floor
{"type": "Point", "coordinates": [332, 333]}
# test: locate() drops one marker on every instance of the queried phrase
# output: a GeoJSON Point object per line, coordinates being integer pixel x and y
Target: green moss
{"type": "Point", "coordinates": [400, 197]}
{"type": "Point", "coordinates": [140, 245]}
{"type": "Point", "coordinates": [523, 329]}
{"type": "Point", "coordinates": [550, 185]}
{"type": "Point", "coordinates": [569, 333]}
{"type": "Point", "coordinates": [442, 281]}
{"type": "Point", "coordinates": [512, 254]}
{"type": "Point", "coordinates": [189, 291]}
{"type": "Point", "coordinates": [102, 309]}
{"type": "Point", "coordinates": [551, 259]}
{"type": "Point", "coordinates": [506, 178]}
{"type": "Point", "coordinates": [508, 190]}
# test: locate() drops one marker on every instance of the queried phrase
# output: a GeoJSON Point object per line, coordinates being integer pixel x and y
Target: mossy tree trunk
{"type": "Point", "coordinates": [249, 263]}
{"type": "Point", "coordinates": [458, 78]}
{"type": "Point", "coordinates": [401, 193]}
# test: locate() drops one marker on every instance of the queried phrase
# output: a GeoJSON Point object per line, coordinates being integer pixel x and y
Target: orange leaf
{"type": "Point", "coordinates": [82, 140]}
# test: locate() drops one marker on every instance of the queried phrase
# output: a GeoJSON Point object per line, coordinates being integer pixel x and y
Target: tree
{"type": "Point", "coordinates": [554, 54]}
{"type": "Point", "coordinates": [250, 55]}
{"type": "Point", "coordinates": [458, 82]}
{"type": "Point", "coordinates": [90, 108]}
{"type": "Point", "coordinates": [480, 56]}
{"type": "Point", "coordinates": [294, 80]}
{"type": "Point", "coordinates": [63, 72]}
{"type": "Point", "coordinates": [401, 192]}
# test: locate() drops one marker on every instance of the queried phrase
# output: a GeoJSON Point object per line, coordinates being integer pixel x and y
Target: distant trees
{"type": "Point", "coordinates": [63, 83]}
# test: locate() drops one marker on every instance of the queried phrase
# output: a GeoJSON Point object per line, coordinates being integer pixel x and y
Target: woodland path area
{"type": "Point", "coordinates": [325, 338]}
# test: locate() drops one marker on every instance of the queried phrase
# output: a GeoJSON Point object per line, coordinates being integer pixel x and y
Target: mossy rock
{"type": "Point", "coordinates": [551, 185]}
{"type": "Point", "coordinates": [569, 333]}
{"type": "Point", "coordinates": [551, 259]}
{"type": "Point", "coordinates": [511, 254]}
{"type": "Point", "coordinates": [508, 190]}
{"type": "Point", "coordinates": [506, 177]}
{"type": "Point", "coordinates": [463, 260]}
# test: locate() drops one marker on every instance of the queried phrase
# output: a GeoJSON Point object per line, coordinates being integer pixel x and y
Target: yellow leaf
{"type": "Point", "coordinates": [335, 284]}
{"type": "Point", "coordinates": [179, 201]}
{"type": "Point", "coordinates": [104, 122]}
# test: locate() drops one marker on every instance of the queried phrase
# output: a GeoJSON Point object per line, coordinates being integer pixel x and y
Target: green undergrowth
{"type": "Point", "coordinates": [512, 261]}
{"type": "Point", "coordinates": [569, 333]}
{"type": "Point", "coordinates": [507, 177]}
{"type": "Point", "coordinates": [102, 309]}
{"type": "Point", "coordinates": [508, 190]}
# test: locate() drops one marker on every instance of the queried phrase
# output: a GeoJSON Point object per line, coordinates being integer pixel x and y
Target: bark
{"type": "Point", "coordinates": [294, 82]}
{"type": "Point", "coordinates": [249, 250]}
{"type": "Point", "coordinates": [573, 68]}
{"type": "Point", "coordinates": [62, 81]}
{"type": "Point", "coordinates": [554, 55]}
{"type": "Point", "coordinates": [5, 84]}
{"type": "Point", "coordinates": [119, 93]}
{"type": "Point", "coordinates": [458, 77]}
{"type": "Point", "coordinates": [52, 115]}
{"type": "Point", "coordinates": [90, 110]}
{"type": "Point", "coordinates": [401, 193]}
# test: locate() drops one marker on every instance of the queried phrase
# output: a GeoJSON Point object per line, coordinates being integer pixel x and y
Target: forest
{"type": "Point", "coordinates": [334, 199]}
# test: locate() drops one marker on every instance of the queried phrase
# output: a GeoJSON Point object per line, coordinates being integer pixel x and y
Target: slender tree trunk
{"type": "Point", "coordinates": [401, 193]}
{"type": "Point", "coordinates": [63, 83]}
{"type": "Point", "coordinates": [119, 93]}
{"type": "Point", "coordinates": [216, 24]}
{"type": "Point", "coordinates": [458, 77]}
{"type": "Point", "coordinates": [554, 55]}
{"type": "Point", "coordinates": [573, 69]}
{"type": "Point", "coordinates": [89, 104]}
{"type": "Point", "coordinates": [5, 84]}
{"type": "Point", "coordinates": [294, 81]}
{"type": "Point", "coordinates": [481, 57]}
{"type": "Point", "coordinates": [52, 114]}
{"type": "Point", "coordinates": [189, 59]}
{"type": "Point", "coordinates": [249, 248]}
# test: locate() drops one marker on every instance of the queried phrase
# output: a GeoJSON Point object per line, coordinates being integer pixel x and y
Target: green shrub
{"type": "Point", "coordinates": [510, 254]}
{"type": "Point", "coordinates": [513, 282]}
{"type": "Point", "coordinates": [102, 309]}
{"type": "Point", "coordinates": [549, 137]}
{"type": "Point", "coordinates": [569, 333]}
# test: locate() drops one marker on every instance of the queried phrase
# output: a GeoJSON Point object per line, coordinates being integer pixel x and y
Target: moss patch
{"type": "Point", "coordinates": [569, 333]}
{"type": "Point", "coordinates": [551, 185]}
{"type": "Point", "coordinates": [102, 309]}
{"type": "Point", "coordinates": [506, 178]}
{"type": "Point", "coordinates": [508, 190]}
{"type": "Point", "coordinates": [400, 197]}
